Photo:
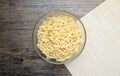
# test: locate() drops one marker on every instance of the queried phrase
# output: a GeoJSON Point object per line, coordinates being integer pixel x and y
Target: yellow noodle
{"type": "Point", "coordinates": [59, 37]}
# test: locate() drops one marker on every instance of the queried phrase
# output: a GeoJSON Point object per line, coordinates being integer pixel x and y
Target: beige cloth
{"type": "Point", "coordinates": [101, 55]}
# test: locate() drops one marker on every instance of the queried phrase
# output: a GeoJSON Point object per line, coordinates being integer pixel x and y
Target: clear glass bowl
{"type": "Point", "coordinates": [57, 13]}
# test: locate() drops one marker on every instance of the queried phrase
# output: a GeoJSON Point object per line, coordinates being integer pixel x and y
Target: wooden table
{"type": "Point", "coordinates": [17, 20]}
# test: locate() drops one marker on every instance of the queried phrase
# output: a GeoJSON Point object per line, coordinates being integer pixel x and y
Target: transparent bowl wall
{"type": "Point", "coordinates": [57, 13]}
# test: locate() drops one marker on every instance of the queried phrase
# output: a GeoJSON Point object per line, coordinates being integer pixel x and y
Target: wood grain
{"type": "Point", "coordinates": [17, 20]}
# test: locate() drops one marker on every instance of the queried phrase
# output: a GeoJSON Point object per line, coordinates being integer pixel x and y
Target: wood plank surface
{"type": "Point", "coordinates": [17, 20]}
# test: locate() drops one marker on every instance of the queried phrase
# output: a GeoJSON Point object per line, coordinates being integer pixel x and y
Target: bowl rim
{"type": "Point", "coordinates": [33, 34]}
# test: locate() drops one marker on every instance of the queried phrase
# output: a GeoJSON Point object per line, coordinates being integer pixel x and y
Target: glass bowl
{"type": "Point", "coordinates": [57, 13]}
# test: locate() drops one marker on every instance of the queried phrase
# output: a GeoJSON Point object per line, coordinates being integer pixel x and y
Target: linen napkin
{"type": "Point", "coordinates": [101, 55]}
